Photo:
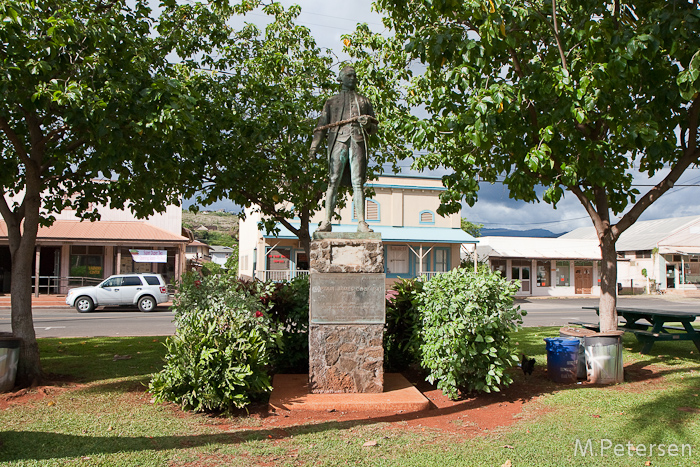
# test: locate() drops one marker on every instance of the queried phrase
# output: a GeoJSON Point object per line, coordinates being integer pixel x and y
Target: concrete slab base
{"type": "Point", "coordinates": [291, 392]}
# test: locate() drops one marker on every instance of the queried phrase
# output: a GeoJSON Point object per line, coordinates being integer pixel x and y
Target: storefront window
{"type": "Point", "coordinates": [563, 274]}
{"type": "Point", "coordinates": [691, 271]}
{"type": "Point", "coordinates": [86, 261]}
{"type": "Point", "coordinates": [278, 259]}
{"type": "Point", "coordinates": [397, 260]}
{"type": "Point", "coordinates": [440, 260]}
{"type": "Point", "coordinates": [499, 265]}
{"type": "Point", "coordinates": [128, 265]}
{"type": "Point", "coordinates": [543, 274]}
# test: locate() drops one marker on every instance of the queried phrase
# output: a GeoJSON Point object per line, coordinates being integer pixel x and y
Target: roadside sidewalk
{"type": "Point", "coordinates": [42, 301]}
{"type": "Point", "coordinates": [50, 301]}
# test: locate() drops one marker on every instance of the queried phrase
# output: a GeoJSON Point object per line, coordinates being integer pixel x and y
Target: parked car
{"type": "Point", "coordinates": [144, 290]}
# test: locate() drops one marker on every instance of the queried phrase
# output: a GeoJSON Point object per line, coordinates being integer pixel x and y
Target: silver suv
{"type": "Point", "coordinates": [144, 290]}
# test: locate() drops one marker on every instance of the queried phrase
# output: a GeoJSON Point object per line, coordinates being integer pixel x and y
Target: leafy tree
{"type": "Point", "coordinates": [570, 95]}
{"type": "Point", "coordinates": [232, 261]}
{"type": "Point", "coordinates": [261, 99]}
{"type": "Point", "coordinates": [472, 228]}
{"type": "Point", "coordinates": [87, 97]}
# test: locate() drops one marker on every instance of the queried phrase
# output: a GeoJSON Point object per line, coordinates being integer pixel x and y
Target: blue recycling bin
{"type": "Point", "coordinates": [562, 359]}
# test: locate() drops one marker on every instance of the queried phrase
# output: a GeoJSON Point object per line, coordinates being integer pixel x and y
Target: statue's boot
{"type": "Point", "coordinates": [363, 227]}
{"type": "Point", "coordinates": [324, 227]}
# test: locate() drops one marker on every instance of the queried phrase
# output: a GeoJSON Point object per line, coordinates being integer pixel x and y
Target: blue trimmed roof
{"type": "Point", "coordinates": [396, 234]}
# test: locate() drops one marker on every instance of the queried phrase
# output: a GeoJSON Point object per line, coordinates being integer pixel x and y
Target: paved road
{"type": "Point", "coordinates": [66, 322]}
{"type": "Point", "coordinates": [115, 321]}
{"type": "Point", "coordinates": [559, 311]}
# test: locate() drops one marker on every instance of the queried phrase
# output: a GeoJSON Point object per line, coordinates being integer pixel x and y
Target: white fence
{"type": "Point", "coordinates": [429, 275]}
{"type": "Point", "coordinates": [279, 276]}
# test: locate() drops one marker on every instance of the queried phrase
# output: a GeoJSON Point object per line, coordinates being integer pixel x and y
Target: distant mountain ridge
{"type": "Point", "coordinates": [519, 233]}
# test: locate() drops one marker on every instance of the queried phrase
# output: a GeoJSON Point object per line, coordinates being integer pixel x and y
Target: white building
{"type": "Point", "coordinates": [220, 254]}
{"type": "Point", "coordinates": [662, 254]}
{"type": "Point", "coordinates": [417, 241]}
{"type": "Point", "coordinates": [667, 251]}
{"type": "Point", "coordinates": [545, 266]}
{"type": "Point", "coordinates": [198, 251]}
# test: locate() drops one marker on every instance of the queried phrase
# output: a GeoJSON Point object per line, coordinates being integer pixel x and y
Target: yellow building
{"type": "Point", "coordinates": [417, 241]}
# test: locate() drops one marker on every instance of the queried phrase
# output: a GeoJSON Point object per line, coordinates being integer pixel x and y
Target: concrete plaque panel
{"type": "Point", "coordinates": [348, 255]}
{"type": "Point", "coordinates": [347, 298]}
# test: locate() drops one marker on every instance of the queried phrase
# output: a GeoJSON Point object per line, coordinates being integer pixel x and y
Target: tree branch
{"type": "Point", "coordinates": [693, 120]}
{"type": "Point", "coordinates": [5, 210]}
{"type": "Point", "coordinates": [285, 222]}
{"type": "Point", "coordinates": [105, 6]}
{"type": "Point", "coordinates": [562, 55]}
{"type": "Point", "coordinates": [662, 187]}
{"type": "Point", "coordinates": [517, 66]}
{"type": "Point", "coordinates": [35, 136]}
{"type": "Point", "coordinates": [53, 134]}
{"type": "Point", "coordinates": [14, 139]}
{"type": "Point", "coordinates": [588, 206]}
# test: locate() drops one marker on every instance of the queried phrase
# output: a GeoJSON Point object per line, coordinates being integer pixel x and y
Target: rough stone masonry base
{"type": "Point", "coordinates": [346, 358]}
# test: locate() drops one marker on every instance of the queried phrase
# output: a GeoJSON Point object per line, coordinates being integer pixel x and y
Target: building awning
{"type": "Point", "coordinates": [679, 250]}
{"type": "Point", "coordinates": [102, 232]}
{"type": "Point", "coordinates": [395, 234]}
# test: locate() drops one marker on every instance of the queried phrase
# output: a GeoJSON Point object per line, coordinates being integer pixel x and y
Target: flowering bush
{"type": "Point", "coordinates": [402, 330]}
{"type": "Point", "coordinates": [290, 312]}
{"type": "Point", "coordinates": [218, 358]}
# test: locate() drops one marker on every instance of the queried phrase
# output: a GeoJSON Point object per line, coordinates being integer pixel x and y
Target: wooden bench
{"type": "Point", "coordinates": [660, 336]}
{"type": "Point", "coordinates": [650, 326]}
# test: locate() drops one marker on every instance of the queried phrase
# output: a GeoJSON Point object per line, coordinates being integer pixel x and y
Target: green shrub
{"type": "Point", "coordinates": [402, 330]}
{"type": "Point", "coordinates": [211, 268]}
{"type": "Point", "coordinates": [466, 318]}
{"type": "Point", "coordinates": [290, 313]}
{"type": "Point", "coordinates": [218, 358]}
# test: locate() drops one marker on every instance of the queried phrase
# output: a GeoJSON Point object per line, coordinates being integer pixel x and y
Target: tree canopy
{"type": "Point", "coordinates": [570, 95]}
{"type": "Point", "coordinates": [260, 99]}
{"type": "Point", "coordinates": [91, 111]}
{"type": "Point", "coordinates": [472, 228]}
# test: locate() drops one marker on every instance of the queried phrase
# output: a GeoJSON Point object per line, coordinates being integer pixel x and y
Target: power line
{"type": "Point", "coordinates": [532, 223]}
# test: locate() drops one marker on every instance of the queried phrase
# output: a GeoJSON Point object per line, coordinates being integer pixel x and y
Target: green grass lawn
{"type": "Point", "coordinates": [103, 416]}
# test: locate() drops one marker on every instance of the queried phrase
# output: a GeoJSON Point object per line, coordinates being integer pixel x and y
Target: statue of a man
{"type": "Point", "coordinates": [347, 119]}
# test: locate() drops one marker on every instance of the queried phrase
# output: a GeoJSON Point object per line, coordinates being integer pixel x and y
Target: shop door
{"type": "Point", "coordinates": [302, 261]}
{"type": "Point", "coordinates": [521, 272]}
{"type": "Point", "coordinates": [670, 276]}
{"type": "Point", "coordinates": [583, 279]}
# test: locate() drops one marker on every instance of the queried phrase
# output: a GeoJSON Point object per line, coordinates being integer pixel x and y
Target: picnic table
{"type": "Point", "coordinates": [650, 326]}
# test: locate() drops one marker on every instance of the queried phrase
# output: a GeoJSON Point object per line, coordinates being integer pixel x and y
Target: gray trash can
{"type": "Point", "coordinates": [9, 357]}
{"type": "Point", "coordinates": [604, 358]}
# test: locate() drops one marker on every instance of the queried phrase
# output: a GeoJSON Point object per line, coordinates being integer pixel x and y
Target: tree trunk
{"type": "Point", "coordinates": [22, 249]}
{"type": "Point", "coordinates": [29, 369]}
{"type": "Point", "coordinates": [305, 241]}
{"type": "Point", "coordinates": [608, 284]}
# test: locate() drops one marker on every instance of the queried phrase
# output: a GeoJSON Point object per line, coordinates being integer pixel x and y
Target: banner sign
{"type": "Point", "coordinates": [149, 256]}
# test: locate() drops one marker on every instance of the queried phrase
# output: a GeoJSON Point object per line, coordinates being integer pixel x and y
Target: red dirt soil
{"type": "Point", "coordinates": [468, 416]}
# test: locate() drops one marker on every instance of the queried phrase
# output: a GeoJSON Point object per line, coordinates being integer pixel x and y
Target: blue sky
{"type": "Point", "coordinates": [330, 19]}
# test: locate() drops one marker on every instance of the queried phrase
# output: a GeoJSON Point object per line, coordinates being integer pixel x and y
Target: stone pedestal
{"type": "Point", "coordinates": [346, 313]}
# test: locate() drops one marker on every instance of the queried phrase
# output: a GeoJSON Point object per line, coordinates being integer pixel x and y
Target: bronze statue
{"type": "Point", "coordinates": [347, 119]}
